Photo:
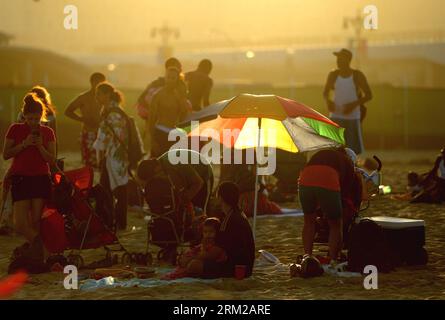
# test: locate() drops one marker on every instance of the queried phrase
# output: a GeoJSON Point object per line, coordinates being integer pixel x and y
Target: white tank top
{"type": "Point", "coordinates": [345, 92]}
{"type": "Point", "coordinates": [441, 170]}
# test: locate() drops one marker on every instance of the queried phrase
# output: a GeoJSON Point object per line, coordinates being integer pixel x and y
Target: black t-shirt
{"type": "Point", "coordinates": [199, 85]}
{"type": "Point", "coordinates": [236, 238]}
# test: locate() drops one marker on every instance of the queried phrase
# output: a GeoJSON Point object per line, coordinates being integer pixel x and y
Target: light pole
{"type": "Point", "coordinates": [356, 23]}
{"type": "Point", "coordinates": [233, 55]}
{"type": "Point", "coordinates": [166, 33]}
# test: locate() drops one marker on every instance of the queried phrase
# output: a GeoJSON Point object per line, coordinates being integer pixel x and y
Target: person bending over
{"type": "Point", "coordinates": [192, 182]}
{"type": "Point", "coordinates": [325, 183]}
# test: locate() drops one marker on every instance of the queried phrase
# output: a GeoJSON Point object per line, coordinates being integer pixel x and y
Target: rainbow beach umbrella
{"type": "Point", "coordinates": [266, 121]}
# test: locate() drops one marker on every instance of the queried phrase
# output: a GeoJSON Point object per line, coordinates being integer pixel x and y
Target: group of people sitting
{"type": "Point", "coordinates": [227, 239]}
{"type": "Point", "coordinates": [226, 243]}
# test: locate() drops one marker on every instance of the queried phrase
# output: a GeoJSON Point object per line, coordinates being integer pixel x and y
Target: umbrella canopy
{"type": "Point", "coordinates": [285, 124]}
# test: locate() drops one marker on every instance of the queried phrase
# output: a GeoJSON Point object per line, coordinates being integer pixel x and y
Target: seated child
{"type": "Point", "coordinates": [207, 250]}
{"type": "Point", "coordinates": [413, 188]}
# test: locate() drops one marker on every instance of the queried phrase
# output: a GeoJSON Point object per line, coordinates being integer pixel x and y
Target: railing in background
{"type": "Point", "coordinates": [398, 117]}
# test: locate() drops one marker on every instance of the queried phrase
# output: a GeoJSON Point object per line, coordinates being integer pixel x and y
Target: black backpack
{"type": "Point", "coordinates": [135, 146]}
{"type": "Point", "coordinates": [368, 246]}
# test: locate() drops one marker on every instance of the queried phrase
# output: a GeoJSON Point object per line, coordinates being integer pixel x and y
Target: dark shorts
{"type": "Point", "coordinates": [30, 187]}
{"type": "Point", "coordinates": [329, 201]}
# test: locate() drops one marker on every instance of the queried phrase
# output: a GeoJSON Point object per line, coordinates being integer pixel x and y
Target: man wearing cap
{"type": "Point", "coordinates": [351, 92]}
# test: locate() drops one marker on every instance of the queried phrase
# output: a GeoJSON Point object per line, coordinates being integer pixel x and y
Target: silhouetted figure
{"type": "Point", "coordinates": [146, 97]}
{"type": "Point", "coordinates": [168, 108]}
{"type": "Point", "coordinates": [433, 182]}
{"type": "Point", "coordinates": [199, 85]}
{"type": "Point", "coordinates": [90, 117]}
{"type": "Point", "coordinates": [111, 143]}
{"type": "Point", "coordinates": [351, 92]}
{"type": "Point", "coordinates": [32, 148]}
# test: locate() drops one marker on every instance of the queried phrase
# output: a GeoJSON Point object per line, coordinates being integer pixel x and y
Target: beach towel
{"type": "Point", "coordinates": [286, 212]}
{"type": "Point", "coordinates": [339, 270]}
{"type": "Point", "coordinates": [110, 282]}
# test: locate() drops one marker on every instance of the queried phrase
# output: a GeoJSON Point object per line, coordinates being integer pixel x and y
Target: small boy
{"type": "Point", "coordinates": [207, 250]}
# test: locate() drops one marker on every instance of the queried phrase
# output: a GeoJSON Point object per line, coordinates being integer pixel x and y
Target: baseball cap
{"type": "Point", "coordinates": [344, 53]}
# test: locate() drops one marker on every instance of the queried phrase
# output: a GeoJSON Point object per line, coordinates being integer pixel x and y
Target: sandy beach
{"type": "Point", "coordinates": [280, 236]}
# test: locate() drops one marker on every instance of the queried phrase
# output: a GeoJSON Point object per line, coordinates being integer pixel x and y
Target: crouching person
{"type": "Point", "coordinates": [325, 182]}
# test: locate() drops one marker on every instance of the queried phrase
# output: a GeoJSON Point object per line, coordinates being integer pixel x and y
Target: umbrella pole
{"type": "Point", "coordinates": [255, 203]}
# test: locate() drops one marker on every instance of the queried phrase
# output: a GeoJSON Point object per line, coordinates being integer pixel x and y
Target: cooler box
{"type": "Point", "coordinates": [406, 239]}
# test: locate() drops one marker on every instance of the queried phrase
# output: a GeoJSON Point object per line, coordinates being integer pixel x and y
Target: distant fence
{"type": "Point", "coordinates": [397, 117]}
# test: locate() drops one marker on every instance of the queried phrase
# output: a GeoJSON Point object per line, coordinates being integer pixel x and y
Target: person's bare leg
{"type": "Point", "coordinates": [309, 232]}
{"type": "Point", "coordinates": [21, 211]}
{"type": "Point", "coordinates": [335, 237]}
{"type": "Point", "coordinates": [36, 213]}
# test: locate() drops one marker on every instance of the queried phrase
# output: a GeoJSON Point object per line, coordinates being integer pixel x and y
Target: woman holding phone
{"type": "Point", "coordinates": [32, 148]}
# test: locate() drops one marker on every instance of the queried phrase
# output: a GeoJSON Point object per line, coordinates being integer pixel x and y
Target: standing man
{"type": "Point", "coordinates": [351, 92]}
{"type": "Point", "coordinates": [146, 97]}
{"type": "Point", "coordinates": [200, 85]}
{"type": "Point", "coordinates": [168, 108]}
{"type": "Point", "coordinates": [89, 115]}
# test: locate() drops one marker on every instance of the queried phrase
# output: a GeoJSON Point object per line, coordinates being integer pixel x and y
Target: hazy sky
{"type": "Point", "coordinates": [123, 22]}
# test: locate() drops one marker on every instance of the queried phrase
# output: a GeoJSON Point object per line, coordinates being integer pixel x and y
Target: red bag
{"type": "Point", "coordinates": [142, 108]}
{"type": "Point", "coordinates": [142, 111]}
{"type": "Point", "coordinates": [52, 230]}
